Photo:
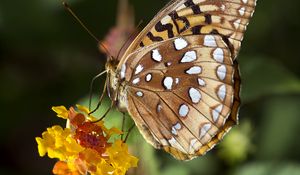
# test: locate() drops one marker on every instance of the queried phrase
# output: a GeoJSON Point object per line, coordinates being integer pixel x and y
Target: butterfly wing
{"type": "Point", "coordinates": [180, 93]}
{"type": "Point", "coordinates": [228, 18]}
{"type": "Point", "coordinates": [158, 95]}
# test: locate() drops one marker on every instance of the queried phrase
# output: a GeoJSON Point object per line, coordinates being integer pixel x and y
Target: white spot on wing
{"type": "Point", "coordinates": [123, 70]}
{"type": "Point", "coordinates": [223, 7]}
{"type": "Point", "coordinates": [175, 128]}
{"type": "Point", "coordinates": [183, 110]}
{"type": "Point", "coordinates": [168, 82]}
{"type": "Point", "coordinates": [216, 112]}
{"type": "Point", "coordinates": [201, 82]}
{"type": "Point", "coordinates": [148, 77]}
{"type": "Point", "coordinates": [221, 72]}
{"type": "Point", "coordinates": [237, 23]}
{"type": "Point", "coordinates": [156, 56]}
{"type": "Point", "coordinates": [164, 142]}
{"type": "Point", "coordinates": [210, 41]}
{"type": "Point", "coordinates": [194, 146]}
{"type": "Point", "coordinates": [138, 69]}
{"type": "Point", "coordinates": [194, 70]}
{"type": "Point", "coordinates": [242, 11]}
{"type": "Point", "coordinates": [218, 55]}
{"type": "Point", "coordinates": [136, 81]}
{"type": "Point", "coordinates": [169, 64]}
{"type": "Point", "coordinates": [176, 145]}
{"type": "Point", "coordinates": [245, 1]}
{"type": "Point", "coordinates": [222, 92]}
{"type": "Point", "coordinates": [192, 143]}
{"type": "Point", "coordinates": [189, 57]}
{"type": "Point", "coordinates": [139, 93]}
{"type": "Point", "coordinates": [176, 80]}
{"type": "Point", "coordinates": [159, 107]}
{"type": "Point", "coordinates": [204, 129]}
{"type": "Point", "coordinates": [180, 43]}
{"type": "Point", "coordinates": [194, 95]}
{"type": "Point", "coordinates": [166, 20]}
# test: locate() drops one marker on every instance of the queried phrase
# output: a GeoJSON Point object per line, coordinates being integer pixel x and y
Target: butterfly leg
{"type": "Point", "coordinates": [99, 102]}
{"type": "Point", "coordinates": [91, 93]}
{"type": "Point", "coordinates": [123, 125]}
{"type": "Point", "coordinates": [128, 132]}
{"type": "Point", "coordinates": [105, 114]}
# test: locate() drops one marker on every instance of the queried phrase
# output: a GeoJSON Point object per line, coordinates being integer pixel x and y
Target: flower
{"type": "Point", "coordinates": [58, 143]}
{"type": "Point", "coordinates": [61, 168]}
{"type": "Point", "coordinates": [61, 111]}
{"type": "Point", "coordinates": [119, 157]}
{"type": "Point", "coordinates": [83, 147]}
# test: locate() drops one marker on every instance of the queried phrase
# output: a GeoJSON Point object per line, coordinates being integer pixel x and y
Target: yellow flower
{"type": "Point", "coordinates": [58, 143]}
{"type": "Point", "coordinates": [83, 147]}
{"type": "Point", "coordinates": [61, 111]}
{"type": "Point", "coordinates": [119, 157]}
{"type": "Point", "coordinates": [83, 109]}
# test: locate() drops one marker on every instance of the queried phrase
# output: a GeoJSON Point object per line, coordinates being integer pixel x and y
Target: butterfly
{"type": "Point", "coordinates": [179, 78]}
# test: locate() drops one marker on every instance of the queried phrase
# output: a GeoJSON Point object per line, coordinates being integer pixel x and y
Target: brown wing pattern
{"type": "Point", "coordinates": [180, 92]}
{"type": "Point", "coordinates": [228, 18]}
{"type": "Point", "coordinates": [180, 76]}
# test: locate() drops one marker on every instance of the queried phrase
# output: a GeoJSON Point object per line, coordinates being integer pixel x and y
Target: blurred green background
{"type": "Point", "coordinates": [47, 59]}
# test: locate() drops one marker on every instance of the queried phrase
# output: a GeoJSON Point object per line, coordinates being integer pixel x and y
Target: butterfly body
{"type": "Point", "coordinates": [179, 79]}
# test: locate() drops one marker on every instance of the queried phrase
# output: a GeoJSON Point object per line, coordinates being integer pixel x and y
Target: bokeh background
{"type": "Point", "coordinates": [47, 59]}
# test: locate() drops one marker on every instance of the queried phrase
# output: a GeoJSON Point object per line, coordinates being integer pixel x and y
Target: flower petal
{"type": "Point", "coordinates": [61, 111]}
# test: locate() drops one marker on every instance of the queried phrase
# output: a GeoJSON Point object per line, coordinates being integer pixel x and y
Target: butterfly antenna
{"type": "Point", "coordinates": [68, 8]}
{"type": "Point", "coordinates": [130, 36]}
{"type": "Point", "coordinates": [91, 90]}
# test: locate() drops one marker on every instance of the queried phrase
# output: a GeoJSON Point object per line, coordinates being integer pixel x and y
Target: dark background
{"type": "Point", "coordinates": [47, 59]}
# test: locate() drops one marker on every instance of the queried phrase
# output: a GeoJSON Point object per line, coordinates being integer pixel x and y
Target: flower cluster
{"type": "Point", "coordinates": [84, 146]}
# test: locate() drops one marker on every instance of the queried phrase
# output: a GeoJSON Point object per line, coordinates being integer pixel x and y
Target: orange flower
{"type": "Point", "coordinates": [83, 146]}
{"type": "Point", "coordinates": [61, 168]}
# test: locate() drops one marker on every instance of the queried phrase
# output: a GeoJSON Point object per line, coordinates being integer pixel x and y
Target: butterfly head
{"type": "Point", "coordinates": [115, 86]}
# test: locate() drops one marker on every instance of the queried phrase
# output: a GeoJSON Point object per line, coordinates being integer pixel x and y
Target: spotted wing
{"type": "Point", "coordinates": [228, 18]}
{"type": "Point", "coordinates": [180, 93]}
